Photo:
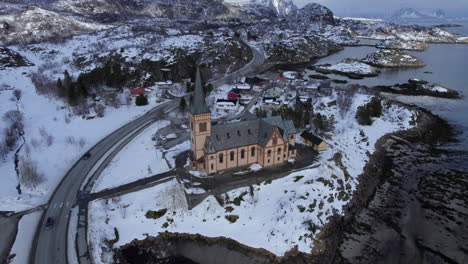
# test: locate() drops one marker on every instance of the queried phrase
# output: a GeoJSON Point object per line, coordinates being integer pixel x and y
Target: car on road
{"type": "Point", "coordinates": [49, 223]}
{"type": "Point", "coordinates": [86, 156]}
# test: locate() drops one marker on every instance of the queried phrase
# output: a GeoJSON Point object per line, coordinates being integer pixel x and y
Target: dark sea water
{"type": "Point", "coordinates": [447, 65]}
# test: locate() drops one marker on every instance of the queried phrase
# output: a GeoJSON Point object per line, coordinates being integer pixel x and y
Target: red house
{"type": "Point", "coordinates": [234, 94]}
{"type": "Point", "coordinates": [138, 91]}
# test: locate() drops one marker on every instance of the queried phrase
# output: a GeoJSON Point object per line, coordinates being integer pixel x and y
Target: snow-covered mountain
{"type": "Point", "coordinates": [413, 14]}
{"type": "Point", "coordinates": [282, 7]}
{"type": "Point", "coordinates": [311, 14]}
{"type": "Point", "coordinates": [37, 24]}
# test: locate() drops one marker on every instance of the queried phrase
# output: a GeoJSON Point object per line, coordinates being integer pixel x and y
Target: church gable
{"type": "Point", "coordinates": [275, 139]}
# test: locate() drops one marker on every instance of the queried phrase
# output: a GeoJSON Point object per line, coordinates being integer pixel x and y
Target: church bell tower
{"type": "Point", "coordinates": [200, 119]}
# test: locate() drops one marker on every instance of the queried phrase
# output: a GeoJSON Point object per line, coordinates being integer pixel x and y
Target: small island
{"type": "Point", "coordinates": [351, 68]}
{"type": "Point", "coordinates": [392, 59]}
{"type": "Point", "coordinates": [420, 87]}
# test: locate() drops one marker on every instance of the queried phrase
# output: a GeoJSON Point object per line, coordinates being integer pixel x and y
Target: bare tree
{"type": "Point", "coordinates": [29, 174]}
{"type": "Point", "coordinates": [71, 140]}
{"type": "Point", "coordinates": [3, 149]}
{"type": "Point", "coordinates": [13, 116]}
{"type": "Point", "coordinates": [82, 142]}
{"type": "Point", "coordinates": [345, 98]}
{"type": "Point", "coordinates": [49, 140]}
{"type": "Point", "coordinates": [100, 110]}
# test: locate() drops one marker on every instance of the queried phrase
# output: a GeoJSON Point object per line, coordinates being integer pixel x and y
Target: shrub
{"type": "Point", "coordinates": [141, 100]}
{"type": "Point", "coordinates": [363, 117]}
{"type": "Point", "coordinates": [231, 218]}
{"type": "Point", "coordinates": [100, 110]}
{"type": "Point", "coordinates": [29, 174]}
{"type": "Point", "coordinates": [17, 94]}
{"type": "Point", "coordinates": [365, 112]}
{"type": "Point", "coordinates": [156, 214]}
{"type": "Point", "coordinates": [298, 178]}
{"type": "Point", "coordinates": [301, 208]}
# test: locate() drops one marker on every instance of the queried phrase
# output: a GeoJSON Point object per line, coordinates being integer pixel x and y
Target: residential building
{"type": "Point", "coordinates": [313, 141]}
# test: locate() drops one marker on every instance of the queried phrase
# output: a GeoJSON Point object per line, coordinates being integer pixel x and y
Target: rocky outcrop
{"type": "Point", "coordinates": [408, 206]}
{"type": "Point", "coordinates": [36, 24]}
{"type": "Point", "coordinates": [351, 68]}
{"type": "Point", "coordinates": [311, 14]}
{"type": "Point", "coordinates": [293, 48]}
{"type": "Point", "coordinates": [420, 87]}
{"type": "Point", "coordinates": [393, 59]}
{"type": "Point", "coordinates": [402, 45]}
{"type": "Point", "coordinates": [282, 7]}
{"type": "Point", "coordinates": [9, 58]}
{"type": "Point", "coordinates": [201, 249]}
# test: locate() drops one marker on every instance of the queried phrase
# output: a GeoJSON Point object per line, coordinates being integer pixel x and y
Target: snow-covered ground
{"type": "Point", "coordinates": [139, 159]}
{"type": "Point", "coordinates": [23, 242]}
{"type": "Point", "coordinates": [351, 67]}
{"type": "Point", "coordinates": [46, 118]}
{"type": "Point", "coordinates": [274, 215]}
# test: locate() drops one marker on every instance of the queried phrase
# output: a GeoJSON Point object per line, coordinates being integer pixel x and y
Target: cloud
{"type": "Point", "coordinates": [356, 7]}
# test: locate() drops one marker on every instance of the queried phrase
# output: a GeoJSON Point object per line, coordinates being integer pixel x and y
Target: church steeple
{"type": "Point", "coordinates": [200, 119]}
{"type": "Point", "coordinates": [198, 105]}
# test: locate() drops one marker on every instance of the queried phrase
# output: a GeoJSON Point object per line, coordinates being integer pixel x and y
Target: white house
{"type": "Point", "coordinates": [242, 86]}
{"type": "Point", "coordinates": [164, 85]}
{"type": "Point", "coordinates": [227, 106]}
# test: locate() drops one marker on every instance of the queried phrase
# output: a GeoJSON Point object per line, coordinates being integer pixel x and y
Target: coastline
{"type": "Point", "coordinates": [374, 226]}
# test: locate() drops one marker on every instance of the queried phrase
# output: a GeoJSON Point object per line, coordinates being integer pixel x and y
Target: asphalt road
{"type": "Point", "coordinates": [50, 246]}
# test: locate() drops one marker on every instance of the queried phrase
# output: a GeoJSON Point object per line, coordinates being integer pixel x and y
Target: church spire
{"type": "Point", "coordinates": [198, 105]}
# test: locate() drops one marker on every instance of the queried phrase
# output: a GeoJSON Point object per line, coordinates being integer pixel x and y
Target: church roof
{"type": "Point", "coordinates": [286, 126]}
{"type": "Point", "coordinates": [198, 104]}
{"type": "Point", "coordinates": [244, 133]}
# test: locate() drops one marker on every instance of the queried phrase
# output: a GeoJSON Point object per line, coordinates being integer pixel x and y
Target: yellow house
{"type": "Point", "coordinates": [313, 141]}
{"type": "Point", "coordinates": [269, 141]}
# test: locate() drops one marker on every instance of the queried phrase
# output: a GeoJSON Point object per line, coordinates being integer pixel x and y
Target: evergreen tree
{"type": "Point", "coordinates": [182, 104]}
{"type": "Point", "coordinates": [141, 100]}
{"type": "Point", "coordinates": [60, 89]}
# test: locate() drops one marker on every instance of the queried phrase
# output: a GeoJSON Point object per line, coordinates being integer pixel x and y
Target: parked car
{"type": "Point", "coordinates": [87, 156]}
{"type": "Point", "coordinates": [49, 223]}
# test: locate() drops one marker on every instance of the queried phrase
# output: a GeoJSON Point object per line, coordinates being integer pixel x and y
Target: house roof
{"type": "Point", "coordinates": [198, 105]}
{"type": "Point", "coordinates": [311, 137]}
{"type": "Point", "coordinates": [137, 91]}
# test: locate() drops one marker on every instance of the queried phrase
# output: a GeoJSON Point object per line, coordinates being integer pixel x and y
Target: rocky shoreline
{"type": "Point", "coordinates": [418, 87]}
{"type": "Point", "coordinates": [402, 210]}
{"type": "Point", "coordinates": [194, 248]}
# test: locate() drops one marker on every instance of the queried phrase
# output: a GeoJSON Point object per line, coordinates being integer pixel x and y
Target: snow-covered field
{"type": "Point", "coordinates": [274, 215]}
{"type": "Point", "coordinates": [55, 139]}
{"type": "Point", "coordinates": [45, 119]}
{"type": "Point", "coordinates": [139, 159]}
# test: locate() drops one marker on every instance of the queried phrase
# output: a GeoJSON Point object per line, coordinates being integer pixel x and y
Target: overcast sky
{"type": "Point", "coordinates": [357, 7]}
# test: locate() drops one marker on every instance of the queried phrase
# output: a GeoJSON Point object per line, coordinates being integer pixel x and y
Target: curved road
{"type": "Point", "coordinates": [50, 246]}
